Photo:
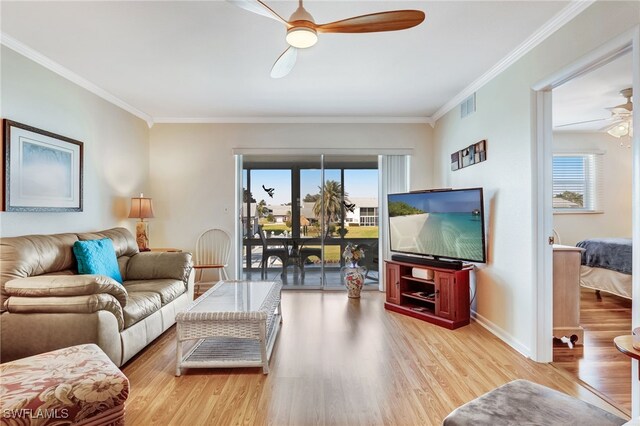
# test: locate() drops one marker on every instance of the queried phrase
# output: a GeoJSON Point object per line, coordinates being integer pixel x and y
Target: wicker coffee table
{"type": "Point", "coordinates": [235, 324]}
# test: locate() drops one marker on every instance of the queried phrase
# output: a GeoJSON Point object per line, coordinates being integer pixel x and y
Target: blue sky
{"type": "Point", "coordinates": [568, 171]}
{"type": "Point", "coordinates": [358, 183]}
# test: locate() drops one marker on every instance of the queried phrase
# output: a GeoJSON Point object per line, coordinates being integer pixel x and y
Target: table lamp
{"type": "Point", "coordinates": [141, 208]}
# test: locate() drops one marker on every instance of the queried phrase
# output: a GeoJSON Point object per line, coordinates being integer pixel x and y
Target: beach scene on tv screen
{"type": "Point", "coordinates": [444, 224]}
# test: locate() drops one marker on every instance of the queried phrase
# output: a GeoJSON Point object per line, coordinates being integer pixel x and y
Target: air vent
{"type": "Point", "coordinates": [468, 106]}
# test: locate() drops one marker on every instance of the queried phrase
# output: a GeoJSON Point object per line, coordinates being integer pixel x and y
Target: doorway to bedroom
{"type": "Point", "coordinates": [592, 226]}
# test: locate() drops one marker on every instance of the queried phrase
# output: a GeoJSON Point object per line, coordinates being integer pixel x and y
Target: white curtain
{"type": "Point", "coordinates": [393, 177]}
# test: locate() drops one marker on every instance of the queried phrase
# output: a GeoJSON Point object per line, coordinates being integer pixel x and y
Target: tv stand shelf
{"type": "Point", "coordinates": [420, 298]}
{"type": "Point", "coordinates": [406, 294]}
{"type": "Point", "coordinates": [420, 280]}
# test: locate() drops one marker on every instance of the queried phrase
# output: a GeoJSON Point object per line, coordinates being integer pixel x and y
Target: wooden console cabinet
{"type": "Point", "coordinates": [441, 299]}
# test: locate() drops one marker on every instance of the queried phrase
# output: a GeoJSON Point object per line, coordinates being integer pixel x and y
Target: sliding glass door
{"type": "Point", "coordinates": [361, 217]}
{"type": "Point", "coordinates": [300, 212]}
{"type": "Point", "coordinates": [310, 218]}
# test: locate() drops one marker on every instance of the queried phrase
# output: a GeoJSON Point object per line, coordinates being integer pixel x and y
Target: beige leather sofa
{"type": "Point", "coordinates": [47, 306]}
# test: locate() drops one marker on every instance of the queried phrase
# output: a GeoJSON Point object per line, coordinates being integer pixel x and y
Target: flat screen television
{"type": "Point", "coordinates": [439, 223]}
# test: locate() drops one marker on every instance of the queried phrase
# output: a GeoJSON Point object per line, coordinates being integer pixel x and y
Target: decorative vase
{"type": "Point", "coordinates": [353, 278]}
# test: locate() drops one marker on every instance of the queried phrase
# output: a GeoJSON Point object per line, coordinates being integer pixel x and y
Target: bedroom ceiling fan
{"type": "Point", "coordinates": [620, 119]}
{"type": "Point", "coordinates": [624, 125]}
{"type": "Point", "coordinates": [302, 31]}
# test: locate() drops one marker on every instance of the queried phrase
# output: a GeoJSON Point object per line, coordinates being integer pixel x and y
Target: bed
{"type": "Point", "coordinates": [606, 265]}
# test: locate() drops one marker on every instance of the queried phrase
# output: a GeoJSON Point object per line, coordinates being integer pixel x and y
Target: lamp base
{"type": "Point", "coordinates": [142, 236]}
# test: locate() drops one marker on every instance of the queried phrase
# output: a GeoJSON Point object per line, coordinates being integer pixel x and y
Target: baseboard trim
{"type": "Point", "coordinates": [501, 334]}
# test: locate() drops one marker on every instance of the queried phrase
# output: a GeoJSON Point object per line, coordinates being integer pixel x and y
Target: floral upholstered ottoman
{"type": "Point", "coordinates": [76, 385]}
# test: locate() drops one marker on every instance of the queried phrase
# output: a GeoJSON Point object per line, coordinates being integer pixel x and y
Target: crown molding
{"type": "Point", "coordinates": [55, 67]}
{"type": "Point", "coordinates": [295, 120]}
{"type": "Point", "coordinates": [560, 19]}
{"type": "Point", "coordinates": [572, 10]}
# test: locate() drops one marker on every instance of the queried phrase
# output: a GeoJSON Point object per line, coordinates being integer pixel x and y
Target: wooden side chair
{"type": "Point", "coordinates": [213, 248]}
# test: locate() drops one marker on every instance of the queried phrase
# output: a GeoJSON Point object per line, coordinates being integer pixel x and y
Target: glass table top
{"type": "Point", "coordinates": [234, 296]}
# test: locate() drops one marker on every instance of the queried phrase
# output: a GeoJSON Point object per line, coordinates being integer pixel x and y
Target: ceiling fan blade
{"type": "Point", "coordinates": [375, 22]}
{"type": "Point", "coordinates": [285, 62]}
{"type": "Point", "coordinates": [622, 109]}
{"type": "Point", "coordinates": [582, 122]}
{"type": "Point", "coordinates": [256, 6]}
{"type": "Point", "coordinates": [611, 125]}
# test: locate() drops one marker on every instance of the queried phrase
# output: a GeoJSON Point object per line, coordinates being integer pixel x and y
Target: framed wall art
{"type": "Point", "coordinates": [473, 154]}
{"type": "Point", "coordinates": [42, 170]}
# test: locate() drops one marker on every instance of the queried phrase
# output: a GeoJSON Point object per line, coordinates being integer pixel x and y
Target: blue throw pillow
{"type": "Point", "coordinates": [97, 257]}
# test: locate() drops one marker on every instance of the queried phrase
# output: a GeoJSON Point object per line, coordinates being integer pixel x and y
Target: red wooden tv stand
{"type": "Point", "coordinates": [441, 298]}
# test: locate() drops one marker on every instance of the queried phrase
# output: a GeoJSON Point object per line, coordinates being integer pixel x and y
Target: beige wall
{"type": "Point", "coordinates": [505, 288]}
{"type": "Point", "coordinates": [116, 146]}
{"type": "Point", "coordinates": [193, 169]}
{"type": "Point", "coordinates": [615, 221]}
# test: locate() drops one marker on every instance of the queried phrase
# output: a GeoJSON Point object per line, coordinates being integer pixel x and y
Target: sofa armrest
{"type": "Point", "coordinates": [65, 286]}
{"type": "Point", "coordinates": [71, 304]}
{"type": "Point", "coordinates": [152, 266]}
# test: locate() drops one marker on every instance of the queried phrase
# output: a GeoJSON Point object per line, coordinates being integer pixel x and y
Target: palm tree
{"type": "Point", "coordinates": [247, 196]}
{"type": "Point", "coordinates": [332, 196]}
{"type": "Point", "coordinates": [261, 209]}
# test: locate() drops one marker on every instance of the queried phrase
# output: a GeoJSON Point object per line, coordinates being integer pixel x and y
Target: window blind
{"type": "Point", "coordinates": [577, 182]}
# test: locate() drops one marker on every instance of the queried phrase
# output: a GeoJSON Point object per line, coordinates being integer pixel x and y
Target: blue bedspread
{"type": "Point", "coordinates": [608, 253]}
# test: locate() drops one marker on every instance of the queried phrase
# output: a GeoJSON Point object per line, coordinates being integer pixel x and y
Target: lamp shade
{"type": "Point", "coordinates": [141, 208]}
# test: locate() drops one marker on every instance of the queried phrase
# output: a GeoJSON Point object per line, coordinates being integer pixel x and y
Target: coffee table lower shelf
{"type": "Point", "coordinates": [230, 352]}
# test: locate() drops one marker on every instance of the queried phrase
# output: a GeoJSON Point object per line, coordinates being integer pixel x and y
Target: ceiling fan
{"type": "Point", "coordinates": [620, 119]}
{"type": "Point", "coordinates": [302, 31]}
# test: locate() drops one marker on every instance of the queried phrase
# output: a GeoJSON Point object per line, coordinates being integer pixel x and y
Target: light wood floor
{"type": "Point", "coordinates": [598, 363]}
{"type": "Point", "coordinates": [338, 361]}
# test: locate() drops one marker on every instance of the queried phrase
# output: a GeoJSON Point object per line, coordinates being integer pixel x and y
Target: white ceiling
{"type": "Point", "coordinates": [210, 59]}
{"type": "Point", "coordinates": [587, 97]}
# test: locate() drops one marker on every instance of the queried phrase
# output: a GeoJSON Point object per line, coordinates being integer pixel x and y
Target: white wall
{"type": "Point", "coordinates": [116, 146]}
{"type": "Point", "coordinates": [193, 169]}
{"type": "Point", "coordinates": [615, 221]}
{"type": "Point", "coordinates": [505, 287]}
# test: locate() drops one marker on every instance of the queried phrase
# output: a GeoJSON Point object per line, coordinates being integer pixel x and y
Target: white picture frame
{"type": "Point", "coordinates": [42, 171]}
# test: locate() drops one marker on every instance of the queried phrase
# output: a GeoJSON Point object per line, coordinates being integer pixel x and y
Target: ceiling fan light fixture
{"type": "Point", "coordinates": [620, 129]}
{"type": "Point", "coordinates": [302, 37]}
